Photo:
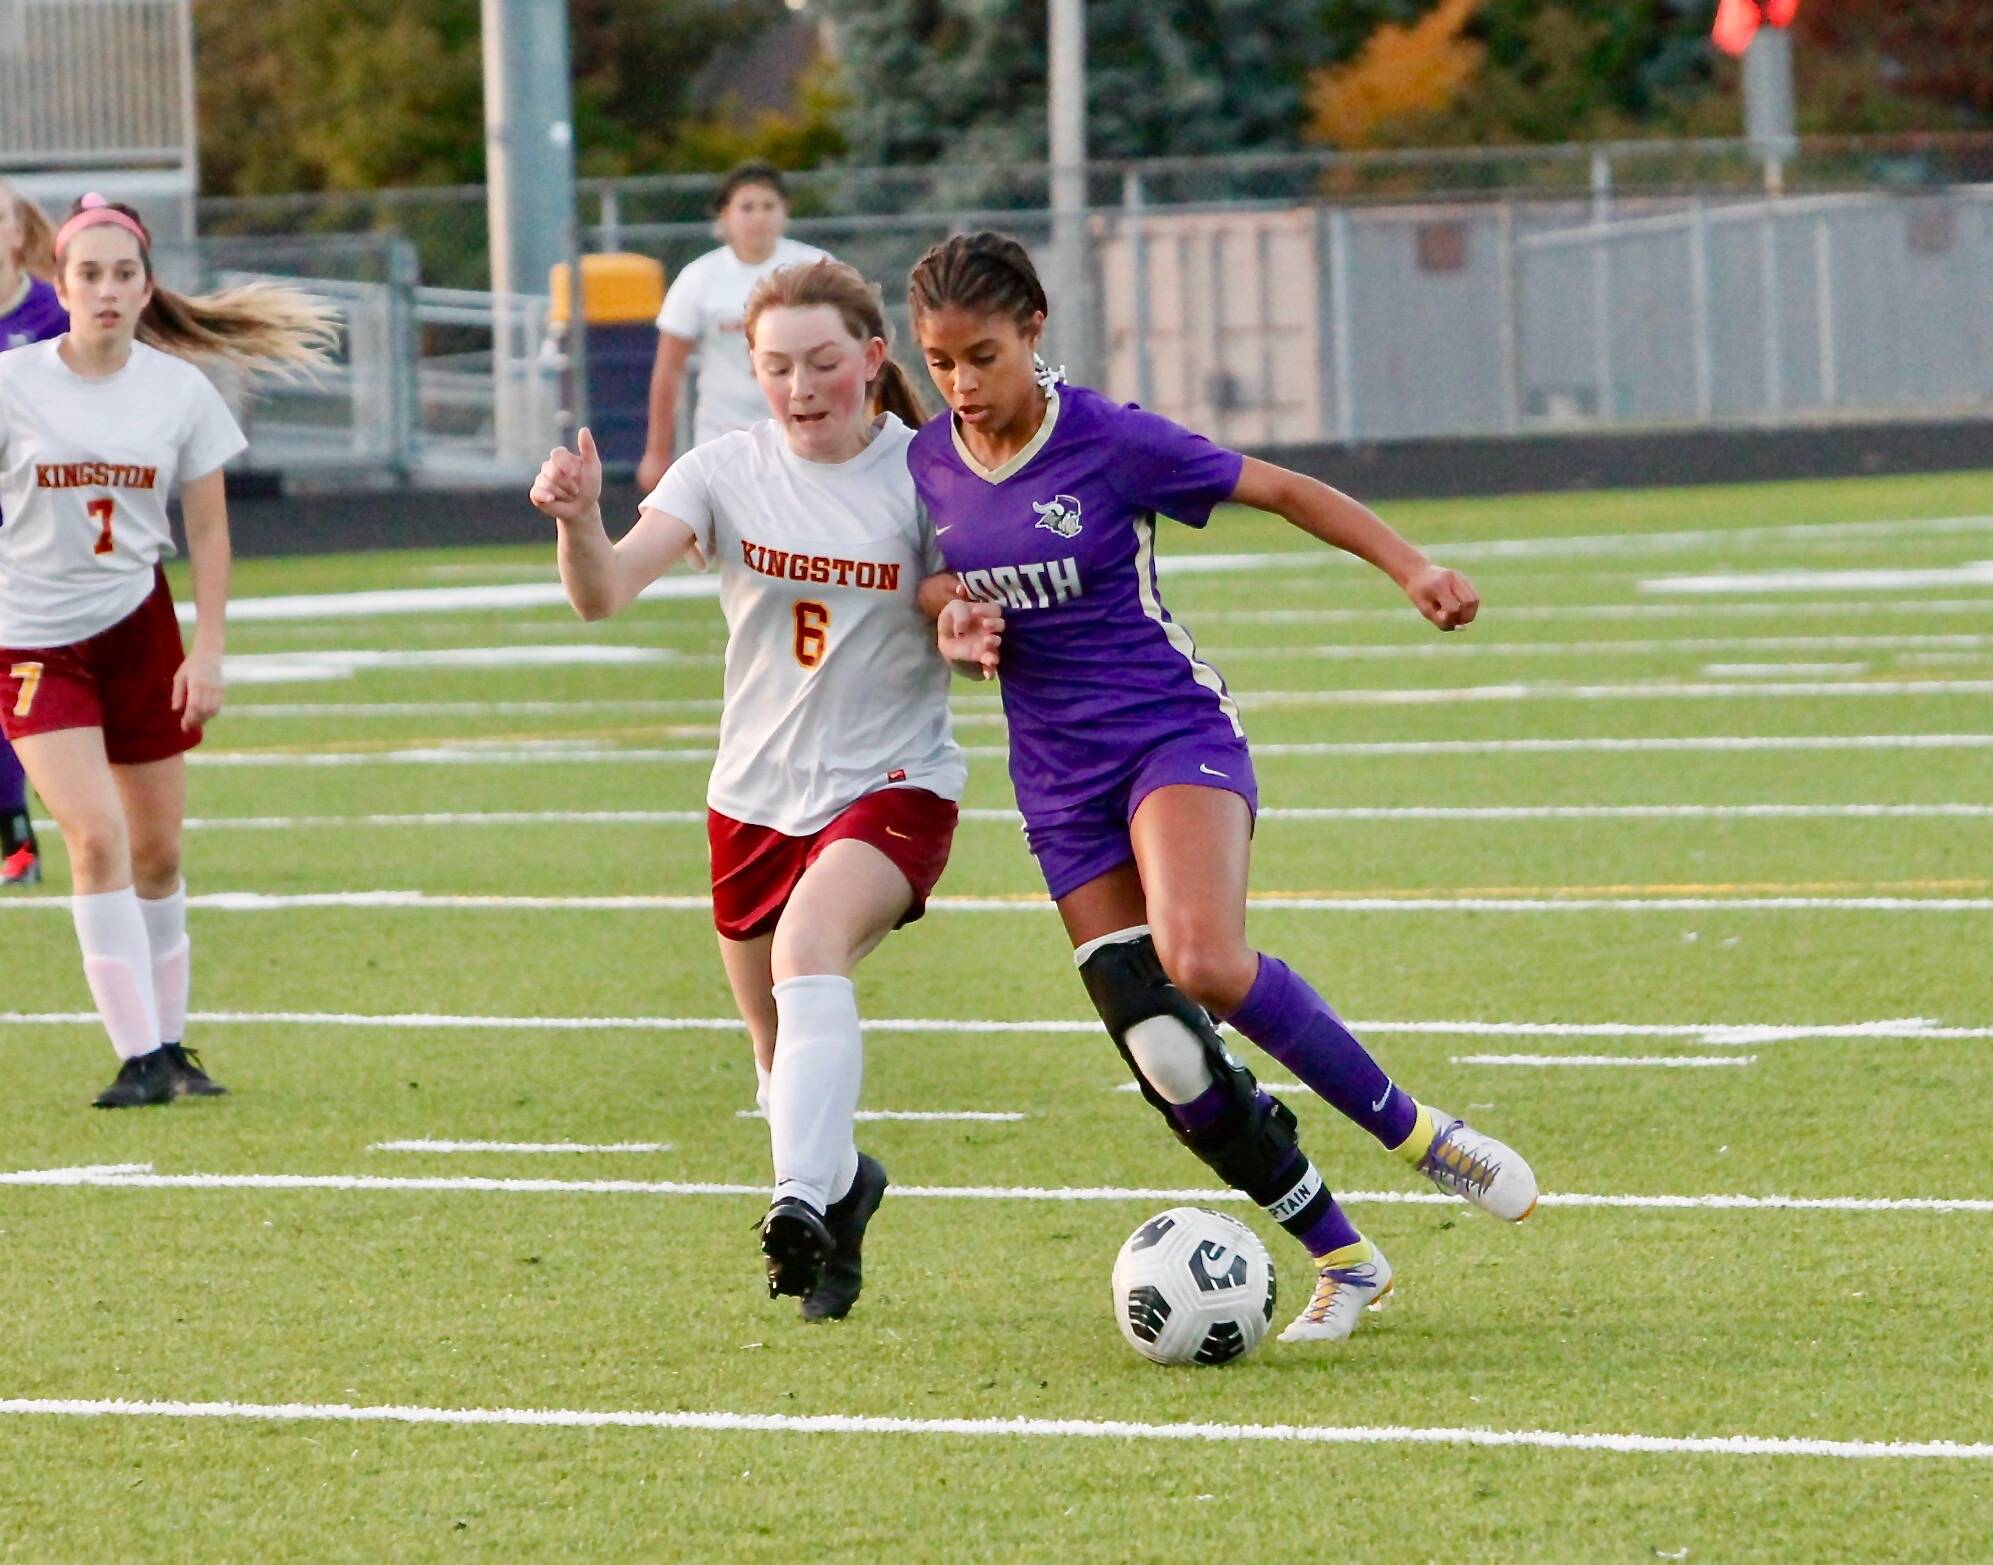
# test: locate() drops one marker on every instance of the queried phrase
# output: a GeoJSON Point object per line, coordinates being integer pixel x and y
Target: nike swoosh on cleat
{"type": "Point", "coordinates": [1212, 771]}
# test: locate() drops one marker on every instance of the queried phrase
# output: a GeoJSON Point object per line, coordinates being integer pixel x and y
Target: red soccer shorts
{"type": "Point", "coordinates": [756, 868]}
{"type": "Point", "coordinates": [119, 680]}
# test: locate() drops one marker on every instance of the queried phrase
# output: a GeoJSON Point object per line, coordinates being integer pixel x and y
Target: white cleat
{"type": "Point", "coordinates": [1478, 1168]}
{"type": "Point", "coordinates": [1342, 1294]}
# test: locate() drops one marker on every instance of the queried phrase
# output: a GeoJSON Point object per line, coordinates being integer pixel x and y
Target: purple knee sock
{"type": "Point", "coordinates": [1285, 1017]}
{"type": "Point", "coordinates": [15, 830]}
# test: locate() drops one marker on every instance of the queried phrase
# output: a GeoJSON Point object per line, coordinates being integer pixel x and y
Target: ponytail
{"type": "Point", "coordinates": [257, 326]}
{"type": "Point", "coordinates": [892, 392]}
{"type": "Point", "coordinates": [37, 251]}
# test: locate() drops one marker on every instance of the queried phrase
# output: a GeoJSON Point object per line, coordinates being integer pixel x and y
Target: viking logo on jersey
{"type": "Point", "coordinates": [1029, 586]}
{"type": "Point", "coordinates": [1060, 514]}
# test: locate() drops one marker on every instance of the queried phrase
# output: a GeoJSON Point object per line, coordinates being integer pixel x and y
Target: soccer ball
{"type": "Point", "coordinates": [1193, 1287]}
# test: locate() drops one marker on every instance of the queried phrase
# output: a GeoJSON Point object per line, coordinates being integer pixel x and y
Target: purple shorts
{"type": "Point", "coordinates": [1084, 841]}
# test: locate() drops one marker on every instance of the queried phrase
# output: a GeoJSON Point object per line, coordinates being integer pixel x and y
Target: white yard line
{"type": "Point", "coordinates": [1407, 812]}
{"type": "Point", "coordinates": [519, 1146]}
{"type": "Point", "coordinates": [1781, 670]}
{"type": "Point", "coordinates": [563, 752]}
{"type": "Point", "coordinates": [1977, 574]}
{"type": "Point", "coordinates": [283, 668]}
{"type": "Point", "coordinates": [1907, 1028]}
{"type": "Point", "coordinates": [1006, 1428]}
{"type": "Point", "coordinates": [1269, 902]}
{"type": "Point", "coordinates": [95, 1178]}
{"type": "Point", "coordinates": [1677, 1061]}
{"type": "Point", "coordinates": [434, 600]}
{"type": "Point", "coordinates": [1504, 612]}
{"type": "Point", "coordinates": [1472, 646]}
{"type": "Point", "coordinates": [383, 709]}
{"type": "Point", "coordinates": [1271, 1086]}
{"type": "Point", "coordinates": [523, 751]}
{"type": "Point", "coordinates": [1627, 746]}
{"type": "Point", "coordinates": [970, 1115]}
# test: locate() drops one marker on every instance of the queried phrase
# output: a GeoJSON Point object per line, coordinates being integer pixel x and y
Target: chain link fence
{"type": "Point", "coordinates": [1268, 301]}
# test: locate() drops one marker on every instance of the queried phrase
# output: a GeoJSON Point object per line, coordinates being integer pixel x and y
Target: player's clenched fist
{"type": "Point", "coordinates": [1445, 597]}
{"type": "Point", "coordinates": [570, 482]}
{"type": "Point", "coordinates": [970, 634]}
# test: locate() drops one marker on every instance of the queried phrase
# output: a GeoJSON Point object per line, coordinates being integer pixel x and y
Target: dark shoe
{"type": "Point", "coordinates": [797, 1244]}
{"type": "Point", "coordinates": [843, 1274]}
{"type": "Point", "coordinates": [189, 1080]}
{"type": "Point", "coordinates": [145, 1079]}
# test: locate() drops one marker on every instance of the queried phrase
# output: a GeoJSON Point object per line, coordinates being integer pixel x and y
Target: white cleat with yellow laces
{"type": "Point", "coordinates": [1476, 1167]}
{"type": "Point", "coordinates": [1348, 1282]}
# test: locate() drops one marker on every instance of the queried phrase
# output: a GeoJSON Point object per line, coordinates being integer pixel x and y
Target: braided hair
{"type": "Point", "coordinates": [988, 273]}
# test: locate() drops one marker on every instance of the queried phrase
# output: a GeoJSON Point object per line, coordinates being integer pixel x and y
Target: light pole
{"type": "Point", "coordinates": [1071, 334]}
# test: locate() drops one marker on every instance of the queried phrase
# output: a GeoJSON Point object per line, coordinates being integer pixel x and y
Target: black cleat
{"type": "Point", "coordinates": [189, 1080]}
{"type": "Point", "coordinates": [148, 1078]}
{"type": "Point", "coordinates": [797, 1244]}
{"type": "Point", "coordinates": [843, 1275]}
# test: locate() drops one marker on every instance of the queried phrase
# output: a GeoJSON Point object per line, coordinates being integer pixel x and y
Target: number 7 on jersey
{"type": "Point", "coordinates": [101, 512]}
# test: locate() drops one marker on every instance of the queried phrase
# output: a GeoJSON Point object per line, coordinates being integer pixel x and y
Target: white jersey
{"type": "Point", "coordinates": [705, 305]}
{"type": "Point", "coordinates": [834, 688]}
{"type": "Point", "coordinates": [87, 465]}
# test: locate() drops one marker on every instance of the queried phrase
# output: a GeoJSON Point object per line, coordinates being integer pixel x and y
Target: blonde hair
{"type": "Point", "coordinates": [36, 256]}
{"type": "Point", "coordinates": [861, 307]}
{"type": "Point", "coordinates": [269, 327]}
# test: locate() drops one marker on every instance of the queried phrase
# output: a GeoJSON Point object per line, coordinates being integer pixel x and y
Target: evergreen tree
{"type": "Point", "coordinates": [965, 82]}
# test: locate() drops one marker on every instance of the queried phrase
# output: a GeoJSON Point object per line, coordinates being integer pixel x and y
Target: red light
{"type": "Point", "coordinates": [1737, 21]}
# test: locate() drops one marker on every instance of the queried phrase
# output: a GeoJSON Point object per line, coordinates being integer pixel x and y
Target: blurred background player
{"type": "Point", "coordinates": [96, 693]}
{"type": "Point", "coordinates": [1129, 760]}
{"type": "Point", "coordinates": [703, 313]}
{"type": "Point", "coordinates": [833, 798]}
{"type": "Point", "coordinates": [29, 312]}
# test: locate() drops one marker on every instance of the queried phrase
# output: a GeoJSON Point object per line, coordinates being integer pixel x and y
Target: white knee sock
{"type": "Point", "coordinates": [172, 952]}
{"type": "Point", "coordinates": [813, 1090]}
{"type": "Point", "coordinates": [117, 963]}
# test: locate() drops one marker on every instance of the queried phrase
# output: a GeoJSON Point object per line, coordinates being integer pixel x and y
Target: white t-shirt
{"type": "Point", "coordinates": [86, 467]}
{"type": "Point", "coordinates": [704, 305]}
{"type": "Point", "coordinates": [834, 688]}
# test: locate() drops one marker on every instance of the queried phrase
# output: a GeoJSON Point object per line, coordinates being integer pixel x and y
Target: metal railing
{"type": "Point", "coordinates": [447, 223]}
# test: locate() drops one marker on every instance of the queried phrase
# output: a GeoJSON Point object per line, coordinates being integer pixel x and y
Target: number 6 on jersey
{"type": "Point", "coordinates": [812, 632]}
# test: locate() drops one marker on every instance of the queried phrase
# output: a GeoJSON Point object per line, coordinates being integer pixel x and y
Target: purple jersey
{"type": "Point", "coordinates": [36, 318]}
{"type": "Point", "coordinates": [1095, 673]}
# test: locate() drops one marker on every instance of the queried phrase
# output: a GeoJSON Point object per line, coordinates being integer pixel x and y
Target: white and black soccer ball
{"type": "Point", "coordinates": [1193, 1286]}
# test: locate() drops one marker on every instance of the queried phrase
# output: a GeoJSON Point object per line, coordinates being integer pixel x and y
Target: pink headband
{"type": "Point", "coordinates": [94, 211]}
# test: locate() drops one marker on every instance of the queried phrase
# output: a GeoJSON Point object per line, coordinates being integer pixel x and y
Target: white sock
{"type": "Point", "coordinates": [172, 965]}
{"type": "Point", "coordinates": [117, 963]}
{"type": "Point", "coordinates": [813, 1090]}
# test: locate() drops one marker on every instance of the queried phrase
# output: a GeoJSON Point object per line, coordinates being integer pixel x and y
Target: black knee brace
{"type": "Point", "coordinates": [1252, 1146]}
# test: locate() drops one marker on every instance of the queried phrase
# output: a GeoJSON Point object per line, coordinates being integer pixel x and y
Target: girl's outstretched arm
{"type": "Point", "coordinates": [602, 578]}
{"type": "Point", "coordinates": [1443, 596]}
